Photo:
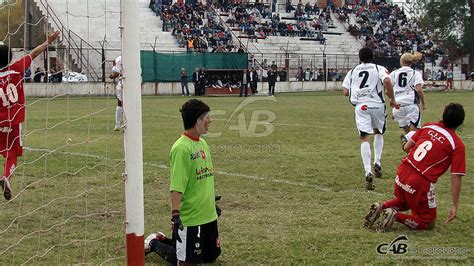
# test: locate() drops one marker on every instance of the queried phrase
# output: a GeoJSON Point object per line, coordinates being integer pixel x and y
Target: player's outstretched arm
{"type": "Point", "coordinates": [456, 181]}
{"type": "Point", "coordinates": [419, 89]}
{"type": "Point", "coordinates": [42, 47]}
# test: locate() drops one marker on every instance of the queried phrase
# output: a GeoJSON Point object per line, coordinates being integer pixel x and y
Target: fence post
{"type": "Point", "coordinates": [103, 63]}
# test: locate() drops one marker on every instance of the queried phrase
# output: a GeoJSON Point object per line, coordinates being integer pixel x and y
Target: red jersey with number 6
{"type": "Point", "coordinates": [12, 97]}
{"type": "Point", "coordinates": [436, 148]}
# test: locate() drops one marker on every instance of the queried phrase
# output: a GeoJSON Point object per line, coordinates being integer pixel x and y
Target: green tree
{"type": "Point", "coordinates": [451, 23]}
{"type": "Point", "coordinates": [12, 16]}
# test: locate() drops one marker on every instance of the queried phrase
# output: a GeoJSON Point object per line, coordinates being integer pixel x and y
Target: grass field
{"type": "Point", "coordinates": [293, 191]}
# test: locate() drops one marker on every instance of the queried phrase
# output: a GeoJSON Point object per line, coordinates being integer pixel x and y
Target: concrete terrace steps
{"type": "Point", "coordinates": [97, 20]}
{"type": "Point", "coordinates": [93, 20]}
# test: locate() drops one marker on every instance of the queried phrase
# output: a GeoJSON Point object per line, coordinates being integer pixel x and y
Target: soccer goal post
{"type": "Point", "coordinates": [132, 106]}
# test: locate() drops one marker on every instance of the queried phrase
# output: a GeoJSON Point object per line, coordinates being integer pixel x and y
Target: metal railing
{"type": "Point", "coordinates": [81, 55]}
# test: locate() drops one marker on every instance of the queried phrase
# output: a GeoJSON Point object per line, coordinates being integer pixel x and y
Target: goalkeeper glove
{"type": "Point", "coordinates": [218, 208]}
{"type": "Point", "coordinates": [176, 225]}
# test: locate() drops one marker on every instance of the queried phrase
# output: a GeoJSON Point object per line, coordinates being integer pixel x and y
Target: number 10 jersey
{"type": "Point", "coordinates": [12, 97]}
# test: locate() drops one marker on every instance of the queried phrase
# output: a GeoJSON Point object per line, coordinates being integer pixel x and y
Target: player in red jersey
{"type": "Point", "coordinates": [431, 151]}
{"type": "Point", "coordinates": [12, 107]}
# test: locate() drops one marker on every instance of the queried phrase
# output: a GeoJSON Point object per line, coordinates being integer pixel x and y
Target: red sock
{"type": "Point", "coordinates": [10, 165]}
{"type": "Point", "coordinates": [411, 221]}
{"type": "Point", "coordinates": [395, 204]}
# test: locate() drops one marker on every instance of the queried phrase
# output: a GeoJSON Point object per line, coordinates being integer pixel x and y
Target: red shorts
{"type": "Point", "coordinates": [10, 141]}
{"type": "Point", "coordinates": [416, 192]}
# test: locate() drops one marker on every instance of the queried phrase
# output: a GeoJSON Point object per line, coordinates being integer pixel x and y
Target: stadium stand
{"type": "Point", "coordinates": [390, 31]}
{"type": "Point", "coordinates": [267, 36]}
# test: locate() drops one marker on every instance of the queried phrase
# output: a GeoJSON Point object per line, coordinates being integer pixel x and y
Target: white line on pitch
{"type": "Point", "coordinates": [162, 166]}
{"type": "Point", "coordinates": [273, 180]}
{"type": "Point", "coordinates": [304, 125]}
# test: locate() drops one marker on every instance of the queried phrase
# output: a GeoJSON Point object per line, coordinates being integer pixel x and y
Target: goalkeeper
{"type": "Point", "coordinates": [166, 247]}
{"type": "Point", "coordinates": [193, 210]}
{"type": "Point", "coordinates": [12, 109]}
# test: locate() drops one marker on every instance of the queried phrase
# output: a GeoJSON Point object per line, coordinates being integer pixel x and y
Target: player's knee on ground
{"type": "Point", "coordinates": [165, 251]}
{"type": "Point", "coordinates": [431, 225]}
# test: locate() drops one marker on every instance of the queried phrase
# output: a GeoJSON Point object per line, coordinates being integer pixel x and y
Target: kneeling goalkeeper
{"type": "Point", "coordinates": [193, 209]}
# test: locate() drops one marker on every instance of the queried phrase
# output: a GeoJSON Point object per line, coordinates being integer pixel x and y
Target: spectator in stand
{"type": "Point", "coordinates": [321, 75]}
{"type": "Point", "coordinates": [299, 74]}
{"type": "Point", "coordinates": [315, 74]}
{"type": "Point", "coordinates": [38, 75]}
{"type": "Point", "coordinates": [307, 74]}
{"type": "Point", "coordinates": [265, 74]}
{"type": "Point", "coordinates": [320, 37]}
{"type": "Point", "coordinates": [274, 66]}
{"type": "Point", "coordinates": [28, 75]}
{"type": "Point", "coordinates": [56, 74]}
{"type": "Point", "coordinates": [283, 74]}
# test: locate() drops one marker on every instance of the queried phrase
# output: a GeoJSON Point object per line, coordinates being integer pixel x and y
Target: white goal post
{"type": "Point", "coordinates": [132, 106]}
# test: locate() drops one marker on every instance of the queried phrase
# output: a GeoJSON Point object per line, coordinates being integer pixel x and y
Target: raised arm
{"type": "Point", "coordinates": [42, 47]}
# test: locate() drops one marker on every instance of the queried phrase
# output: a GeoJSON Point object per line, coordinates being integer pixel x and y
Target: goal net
{"type": "Point", "coordinates": [68, 194]}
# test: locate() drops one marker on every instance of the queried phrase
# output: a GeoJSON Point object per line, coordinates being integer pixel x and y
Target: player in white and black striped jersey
{"type": "Point", "coordinates": [117, 76]}
{"type": "Point", "coordinates": [407, 87]}
{"type": "Point", "coordinates": [364, 84]}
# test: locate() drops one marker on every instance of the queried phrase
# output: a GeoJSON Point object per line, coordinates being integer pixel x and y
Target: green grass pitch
{"type": "Point", "coordinates": [293, 190]}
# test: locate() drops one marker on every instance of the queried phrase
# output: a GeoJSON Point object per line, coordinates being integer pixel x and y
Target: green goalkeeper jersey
{"type": "Point", "coordinates": [192, 174]}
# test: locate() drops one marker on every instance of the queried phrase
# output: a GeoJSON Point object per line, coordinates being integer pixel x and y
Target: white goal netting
{"type": "Point", "coordinates": [68, 193]}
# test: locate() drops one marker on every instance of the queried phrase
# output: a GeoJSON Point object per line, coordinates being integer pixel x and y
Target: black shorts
{"type": "Point", "coordinates": [199, 244]}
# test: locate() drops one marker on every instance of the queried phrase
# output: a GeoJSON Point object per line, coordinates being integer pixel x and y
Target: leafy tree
{"type": "Point", "coordinates": [12, 17]}
{"type": "Point", "coordinates": [451, 23]}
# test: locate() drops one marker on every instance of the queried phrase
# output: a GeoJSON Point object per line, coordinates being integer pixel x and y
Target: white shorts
{"type": "Point", "coordinates": [407, 115]}
{"type": "Point", "coordinates": [370, 116]}
{"type": "Point", "coordinates": [118, 94]}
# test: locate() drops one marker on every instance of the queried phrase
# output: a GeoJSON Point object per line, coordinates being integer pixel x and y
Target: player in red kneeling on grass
{"type": "Point", "coordinates": [12, 107]}
{"type": "Point", "coordinates": [431, 151]}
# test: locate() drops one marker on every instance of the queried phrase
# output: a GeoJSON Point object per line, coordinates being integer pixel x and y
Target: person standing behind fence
{"type": "Point", "coordinates": [271, 82]}
{"type": "Point", "coordinates": [253, 80]}
{"type": "Point", "coordinates": [184, 81]}
{"type": "Point", "coordinates": [449, 80]}
{"type": "Point", "coordinates": [202, 82]}
{"type": "Point", "coordinates": [196, 81]}
{"type": "Point", "coordinates": [244, 82]}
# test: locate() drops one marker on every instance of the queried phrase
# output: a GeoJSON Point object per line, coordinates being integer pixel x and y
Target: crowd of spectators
{"type": "Point", "coordinates": [199, 27]}
{"type": "Point", "coordinates": [256, 21]}
{"type": "Point", "coordinates": [195, 26]}
{"type": "Point", "coordinates": [386, 29]}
